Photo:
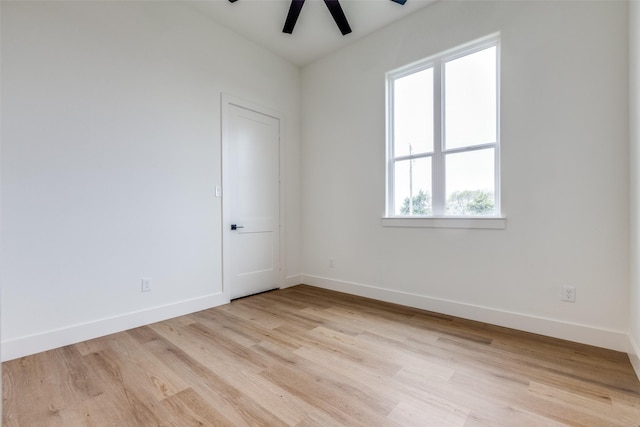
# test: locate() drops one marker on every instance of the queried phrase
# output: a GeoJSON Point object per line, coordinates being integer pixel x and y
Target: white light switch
{"type": "Point", "coordinates": [218, 191]}
{"type": "Point", "coordinates": [146, 284]}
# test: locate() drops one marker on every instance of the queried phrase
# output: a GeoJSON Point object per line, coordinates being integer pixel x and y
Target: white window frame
{"type": "Point", "coordinates": [439, 218]}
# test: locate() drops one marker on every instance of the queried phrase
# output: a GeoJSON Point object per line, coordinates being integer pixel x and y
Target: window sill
{"type": "Point", "coordinates": [495, 223]}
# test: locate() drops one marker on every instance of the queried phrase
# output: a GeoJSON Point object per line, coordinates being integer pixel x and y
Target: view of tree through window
{"type": "Point", "coordinates": [443, 135]}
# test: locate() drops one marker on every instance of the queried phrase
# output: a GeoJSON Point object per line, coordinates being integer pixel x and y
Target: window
{"type": "Point", "coordinates": [442, 135]}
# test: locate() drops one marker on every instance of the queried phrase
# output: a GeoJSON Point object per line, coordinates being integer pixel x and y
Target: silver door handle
{"type": "Point", "coordinates": [235, 227]}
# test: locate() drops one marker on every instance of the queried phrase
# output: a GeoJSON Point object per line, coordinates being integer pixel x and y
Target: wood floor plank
{"type": "Point", "coordinates": [328, 395]}
{"type": "Point", "coordinates": [305, 356]}
{"type": "Point", "coordinates": [438, 411]}
{"type": "Point", "coordinates": [190, 408]}
{"type": "Point", "coordinates": [222, 392]}
{"type": "Point", "coordinates": [128, 387]}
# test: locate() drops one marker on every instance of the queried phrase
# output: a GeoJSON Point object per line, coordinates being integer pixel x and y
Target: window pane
{"type": "Point", "coordinates": [412, 190]}
{"type": "Point", "coordinates": [413, 113]}
{"type": "Point", "coordinates": [470, 99]}
{"type": "Point", "coordinates": [470, 183]}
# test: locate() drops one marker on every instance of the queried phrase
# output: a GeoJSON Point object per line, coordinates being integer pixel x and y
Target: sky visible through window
{"type": "Point", "coordinates": [469, 111]}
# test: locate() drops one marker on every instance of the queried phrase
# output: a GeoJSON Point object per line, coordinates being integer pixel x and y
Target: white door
{"type": "Point", "coordinates": [251, 173]}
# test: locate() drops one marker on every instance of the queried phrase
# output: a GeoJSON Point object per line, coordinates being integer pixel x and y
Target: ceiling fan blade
{"type": "Point", "coordinates": [292, 16]}
{"type": "Point", "coordinates": [338, 16]}
{"type": "Point", "coordinates": [397, 1]}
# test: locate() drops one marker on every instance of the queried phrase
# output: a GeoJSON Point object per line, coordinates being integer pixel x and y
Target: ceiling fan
{"type": "Point", "coordinates": [333, 6]}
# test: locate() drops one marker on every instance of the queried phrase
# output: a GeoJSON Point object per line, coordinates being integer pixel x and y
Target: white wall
{"type": "Point", "coordinates": [110, 155]}
{"type": "Point", "coordinates": [0, 210]}
{"type": "Point", "coordinates": [565, 173]}
{"type": "Point", "coordinates": [634, 121]}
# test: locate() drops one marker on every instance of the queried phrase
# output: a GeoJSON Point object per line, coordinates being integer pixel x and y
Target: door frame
{"type": "Point", "coordinates": [226, 102]}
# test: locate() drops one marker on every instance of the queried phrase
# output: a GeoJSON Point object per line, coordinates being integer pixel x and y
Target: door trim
{"type": "Point", "coordinates": [226, 101]}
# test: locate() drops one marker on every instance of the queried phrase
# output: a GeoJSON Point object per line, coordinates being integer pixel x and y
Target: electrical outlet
{"type": "Point", "coordinates": [332, 262]}
{"type": "Point", "coordinates": [569, 294]}
{"type": "Point", "coordinates": [146, 284]}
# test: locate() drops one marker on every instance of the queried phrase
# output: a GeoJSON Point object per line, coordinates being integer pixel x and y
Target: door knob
{"type": "Point", "coordinates": [235, 227]}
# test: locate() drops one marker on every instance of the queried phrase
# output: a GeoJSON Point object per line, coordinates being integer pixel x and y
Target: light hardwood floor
{"type": "Point", "coordinates": [305, 356]}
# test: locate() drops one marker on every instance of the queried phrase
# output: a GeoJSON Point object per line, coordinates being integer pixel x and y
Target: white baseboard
{"type": "Point", "coordinates": [292, 281]}
{"type": "Point", "coordinates": [23, 346]}
{"type": "Point", "coordinates": [633, 350]}
{"type": "Point", "coordinates": [614, 340]}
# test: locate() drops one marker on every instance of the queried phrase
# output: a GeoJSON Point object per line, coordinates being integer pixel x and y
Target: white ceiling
{"type": "Point", "coordinates": [315, 33]}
